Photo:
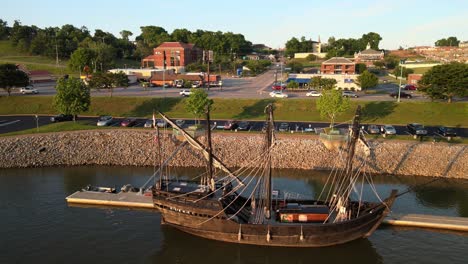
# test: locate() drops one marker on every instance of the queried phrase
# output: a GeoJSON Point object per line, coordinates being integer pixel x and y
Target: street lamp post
{"type": "Point", "coordinates": [401, 77]}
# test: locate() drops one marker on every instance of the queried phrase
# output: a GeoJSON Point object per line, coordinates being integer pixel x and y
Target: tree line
{"type": "Point", "coordinates": [334, 47]}
{"type": "Point", "coordinates": [101, 49]}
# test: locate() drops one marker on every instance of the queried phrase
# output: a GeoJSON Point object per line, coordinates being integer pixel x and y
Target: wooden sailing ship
{"type": "Point", "coordinates": [247, 211]}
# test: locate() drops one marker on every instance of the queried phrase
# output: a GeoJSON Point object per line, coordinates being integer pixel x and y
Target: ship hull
{"type": "Point", "coordinates": [276, 234]}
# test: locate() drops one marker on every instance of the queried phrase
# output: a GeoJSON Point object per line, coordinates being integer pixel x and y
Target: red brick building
{"type": "Point", "coordinates": [338, 65]}
{"type": "Point", "coordinates": [414, 78]}
{"type": "Point", "coordinates": [176, 54]}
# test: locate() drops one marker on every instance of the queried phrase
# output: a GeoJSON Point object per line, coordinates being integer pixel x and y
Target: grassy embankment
{"type": "Point", "coordinates": [428, 113]}
{"type": "Point", "coordinates": [9, 54]}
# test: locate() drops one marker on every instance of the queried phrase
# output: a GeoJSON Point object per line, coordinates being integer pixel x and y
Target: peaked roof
{"type": "Point", "coordinates": [338, 60]}
{"type": "Point", "coordinates": [370, 51]}
{"type": "Point", "coordinates": [176, 45]}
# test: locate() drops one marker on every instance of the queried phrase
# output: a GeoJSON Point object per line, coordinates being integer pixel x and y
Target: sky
{"type": "Point", "coordinates": [404, 23]}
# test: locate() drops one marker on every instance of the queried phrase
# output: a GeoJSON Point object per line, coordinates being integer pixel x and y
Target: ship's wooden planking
{"type": "Point", "coordinates": [136, 200]}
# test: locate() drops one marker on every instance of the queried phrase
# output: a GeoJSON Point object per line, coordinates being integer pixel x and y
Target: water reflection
{"type": "Point", "coordinates": [36, 222]}
{"type": "Point", "coordinates": [179, 247]}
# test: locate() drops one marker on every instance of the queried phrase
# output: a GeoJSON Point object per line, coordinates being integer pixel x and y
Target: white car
{"type": "Point", "coordinates": [149, 123]}
{"type": "Point", "coordinates": [104, 120]}
{"type": "Point", "coordinates": [388, 130]}
{"type": "Point", "coordinates": [278, 94]}
{"type": "Point", "coordinates": [185, 92]}
{"type": "Point", "coordinates": [29, 90]}
{"type": "Point", "coordinates": [314, 93]}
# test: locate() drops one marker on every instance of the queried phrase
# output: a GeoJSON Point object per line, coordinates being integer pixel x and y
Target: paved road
{"type": "Point", "coordinates": [247, 87]}
{"type": "Point", "coordinates": [18, 123]}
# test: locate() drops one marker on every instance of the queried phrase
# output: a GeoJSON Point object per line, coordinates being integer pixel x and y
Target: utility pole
{"type": "Point", "coordinates": [401, 77]}
{"type": "Point", "coordinates": [56, 54]}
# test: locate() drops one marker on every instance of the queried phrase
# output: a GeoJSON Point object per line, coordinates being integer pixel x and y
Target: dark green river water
{"type": "Point", "coordinates": [37, 225]}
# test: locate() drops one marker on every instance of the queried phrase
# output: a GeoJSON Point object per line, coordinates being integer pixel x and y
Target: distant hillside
{"type": "Point", "coordinates": [10, 54]}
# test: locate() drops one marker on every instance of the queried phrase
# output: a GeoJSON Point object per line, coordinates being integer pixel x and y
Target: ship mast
{"type": "Point", "coordinates": [209, 179]}
{"type": "Point", "coordinates": [268, 145]}
{"type": "Point", "coordinates": [352, 141]}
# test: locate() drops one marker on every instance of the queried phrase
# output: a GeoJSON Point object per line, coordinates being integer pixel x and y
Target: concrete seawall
{"type": "Point", "coordinates": [138, 148]}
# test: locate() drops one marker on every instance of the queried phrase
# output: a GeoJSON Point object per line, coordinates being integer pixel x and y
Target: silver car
{"type": "Point", "coordinates": [104, 120]}
{"type": "Point", "coordinates": [388, 130]}
{"type": "Point", "coordinates": [29, 90]}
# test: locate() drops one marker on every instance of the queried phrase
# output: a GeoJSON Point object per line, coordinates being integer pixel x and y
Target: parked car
{"type": "Point", "coordinates": [283, 127]}
{"type": "Point", "coordinates": [180, 122]}
{"type": "Point", "coordinates": [387, 130]}
{"type": "Point", "coordinates": [230, 125]}
{"type": "Point", "coordinates": [278, 86]}
{"type": "Point", "coordinates": [29, 90]}
{"type": "Point", "coordinates": [104, 120]}
{"type": "Point", "coordinates": [265, 126]}
{"type": "Point", "coordinates": [314, 93]}
{"type": "Point", "coordinates": [349, 94]}
{"type": "Point", "coordinates": [161, 123]}
{"type": "Point", "coordinates": [61, 118]}
{"type": "Point", "coordinates": [128, 122]}
{"type": "Point", "coordinates": [410, 87]}
{"type": "Point", "coordinates": [416, 129]}
{"type": "Point", "coordinates": [196, 84]}
{"type": "Point", "coordinates": [402, 95]}
{"type": "Point", "coordinates": [149, 123]}
{"type": "Point", "coordinates": [373, 129]}
{"type": "Point", "coordinates": [185, 92]}
{"type": "Point", "coordinates": [278, 94]}
{"type": "Point", "coordinates": [244, 125]}
{"type": "Point", "coordinates": [446, 131]}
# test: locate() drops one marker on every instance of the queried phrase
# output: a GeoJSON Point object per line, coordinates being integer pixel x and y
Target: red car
{"type": "Point", "coordinates": [128, 122]}
{"type": "Point", "coordinates": [410, 87]}
{"type": "Point", "coordinates": [278, 86]}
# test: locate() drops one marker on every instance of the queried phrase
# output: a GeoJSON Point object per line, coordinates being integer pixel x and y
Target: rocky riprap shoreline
{"type": "Point", "coordinates": [138, 148]}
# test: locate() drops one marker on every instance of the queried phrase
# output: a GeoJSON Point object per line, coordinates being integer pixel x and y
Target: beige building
{"type": "Point", "coordinates": [343, 81]}
{"type": "Point", "coordinates": [368, 56]}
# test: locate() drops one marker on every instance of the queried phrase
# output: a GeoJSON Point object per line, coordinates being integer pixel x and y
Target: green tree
{"type": "Point", "coordinates": [391, 61]}
{"type": "Point", "coordinates": [361, 67]}
{"type": "Point", "coordinates": [372, 38]}
{"type": "Point", "coordinates": [316, 82]}
{"type": "Point", "coordinates": [445, 81]}
{"type": "Point", "coordinates": [197, 101]}
{"type": "Point", "coordinates": [331, 104]}
{"type": "Point", "coordinates": [293, 85]}
{"type": "Point", "coordinates": [80, 58]}
{"type": "Point", "coordinates": [328, 83]}
{"type": "Point", "coordinates": [72, 97]}
{"type": "Point", "coordinates": [450, 41]}
{"type": "Point", "coordinates": [398, 72]}
{"type": "Point", "coordinates": [311, 57]}
{"type": "Point", "coordinates": [295, 66]}
{"type": "Point", "coordinates": [367, 80]}
{"type": "Point", "coordinates": [258, 66]}
{"type": "Point", "coordinates": [4, 30]}
{"type": "Point", "coordinates": [292, 46]}
{"type": "Point", "coordinates": [109, 81]}
{"type": "Point", "coordinates": [379, 64]}
{"type": "Point", "coordinates": [11, 76]}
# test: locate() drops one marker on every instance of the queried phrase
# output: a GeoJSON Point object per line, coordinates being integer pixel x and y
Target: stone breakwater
{"type": "Point", "coordinates": [139, 148]}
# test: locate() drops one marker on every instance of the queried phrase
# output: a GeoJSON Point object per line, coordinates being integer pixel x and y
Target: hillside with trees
{"type": "Point", "coordinates": [102, 50]}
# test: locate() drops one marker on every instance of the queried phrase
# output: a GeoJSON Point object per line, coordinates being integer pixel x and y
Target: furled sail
{"type": "Point", "coordinates": [197, 145]}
